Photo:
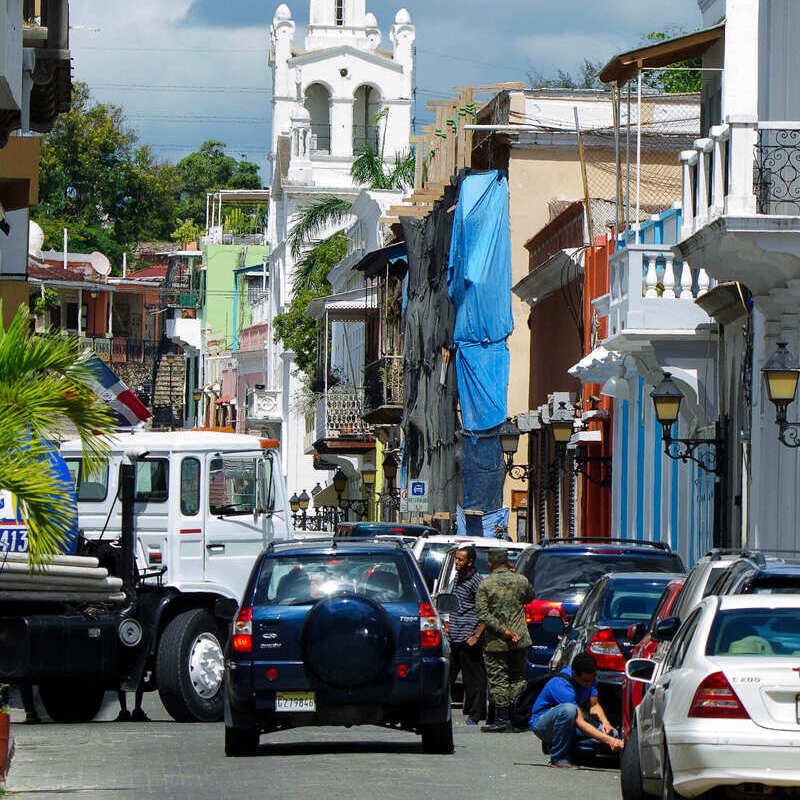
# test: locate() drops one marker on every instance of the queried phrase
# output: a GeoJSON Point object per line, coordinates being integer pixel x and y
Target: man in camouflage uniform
{"type": "Point", "coordinates": [499, 603]}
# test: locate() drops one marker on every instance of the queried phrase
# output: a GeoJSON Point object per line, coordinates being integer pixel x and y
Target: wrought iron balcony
{"type": "Point", "coordinates": [777, 172]}
{"type": "Point", "coordinates": [383, 391]}
{"type": "Point", "coordinates": [340, 424]}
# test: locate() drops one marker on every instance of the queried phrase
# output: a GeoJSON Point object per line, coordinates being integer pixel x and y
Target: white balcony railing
{"type": "Point", "coordinates": [746, 167]}
{"type": "Point", "coordinates": [652, 290]}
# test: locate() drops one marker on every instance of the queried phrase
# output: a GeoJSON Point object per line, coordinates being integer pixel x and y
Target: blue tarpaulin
{"type": "Point", "coordinates": [479, 283]}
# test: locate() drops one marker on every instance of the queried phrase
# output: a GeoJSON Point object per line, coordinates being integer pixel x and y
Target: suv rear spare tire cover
{"type": "Point", "coordinates": [347, 641]}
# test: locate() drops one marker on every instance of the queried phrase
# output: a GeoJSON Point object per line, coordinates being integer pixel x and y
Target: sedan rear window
{"type": "Point", "coordinates": [303, 580]}
{"type": "Point", "coordinates": [568, 573]}
{"type": "Point", "coordinates": [632, 601]}
{"type": "Point", "coordinates": [755, 632]}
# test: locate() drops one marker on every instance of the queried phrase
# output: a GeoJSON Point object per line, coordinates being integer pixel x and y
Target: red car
{"type": "Point", "coordinates": [646, 646]}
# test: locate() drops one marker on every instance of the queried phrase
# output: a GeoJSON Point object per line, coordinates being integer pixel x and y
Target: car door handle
{"type": "Point", "coordinates": [215, 548]}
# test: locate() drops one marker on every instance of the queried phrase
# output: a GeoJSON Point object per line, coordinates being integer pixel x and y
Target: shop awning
{"type": "Point", "coordinates": [549, 277]}
{"type": "Point", "coordinates": [352, 305]}
{"type": "Point", "coordinates": [375, 262]}
{"type": "Point", "coordinates": [623, 67]}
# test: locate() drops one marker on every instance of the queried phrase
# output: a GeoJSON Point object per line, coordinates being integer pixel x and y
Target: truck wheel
{"type": "Point", "coordinates": [190, 666]}
{"type": "Point", "coordinates": [71, 701]}
{"type": "Point", "coordinates": [241, 741]}
{"type": "Point", "coordinates": [437, 738]}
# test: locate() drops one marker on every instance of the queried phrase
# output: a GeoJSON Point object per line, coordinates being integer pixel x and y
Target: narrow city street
{"type": "Point", "coordinates": [104, 760]}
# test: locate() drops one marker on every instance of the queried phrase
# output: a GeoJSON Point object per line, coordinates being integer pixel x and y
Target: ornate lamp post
{"type": "Point", "coordinates": [781, 373]}
{"type": "Point", "coordinates": [708, 454]}
{"type": "Point", "coordinates": [509, 441]}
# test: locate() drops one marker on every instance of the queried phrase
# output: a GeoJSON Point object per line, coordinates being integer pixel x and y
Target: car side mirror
{"type": "Point", "coordinates": [636, 632]}
{"type": "Point", "coordinates": [640, 670]}
{"type": "Point", "coordinates": [553, 625]}
{"type": "Point", "coordinates": [665, 629]}
{"type": "Point", "coordinates": [447, 603]}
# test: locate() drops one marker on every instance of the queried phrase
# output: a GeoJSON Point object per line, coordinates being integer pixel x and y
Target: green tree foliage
{"type": "Point", "coordinates": [587, 77]}
{"type": "Point", "coordinates": [186, 231]}
{"type": "Point", "coordinates": [207, 170]}
{"type": "Point", "coordinates": [682, 77]}
{"type": "Point", "coordinates": [294, 327]}
{"type": "Point", "coordinates": [100, 184]}
{"type": "Point", "coordinates": [44, 385]}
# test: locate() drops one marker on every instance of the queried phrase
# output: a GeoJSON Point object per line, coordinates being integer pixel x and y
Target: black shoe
{"type": "Point", "coordinates": [123, 716]}
{"type": "Point", "coordinates": [501, 722]}
{"type": "Point", "coordinates": [32, 718]}
{"type": "Point", "coordinates": [139, 715]}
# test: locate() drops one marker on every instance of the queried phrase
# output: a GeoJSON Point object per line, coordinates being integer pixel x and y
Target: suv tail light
{"type": "Point", "coordinates": [606, 652]}
{"type": "Point", "coordinates": [537, 610]}
{"type": "Point", "coordinates": [242, 640]}
{"type": "Point", "coordinates": [430, 627]}
{"type": "Point", "coordinates": [715, 697]}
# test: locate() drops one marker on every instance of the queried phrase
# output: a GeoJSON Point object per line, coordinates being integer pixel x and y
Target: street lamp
{"type": "Point", "coordinates": [667, 398]}
{"type": "Point", "coordinates": [368, 473]}
{"type": "Point", "coordinates": [562, 423]}
{"type": "Point", "coordinates": [509, 442]}
{"type": "Point", "coordinates": [294, 503]}
{"type": "Point", "coordinates": [781, 373]}
{"type": "Point", "coordinates": [303, 501]}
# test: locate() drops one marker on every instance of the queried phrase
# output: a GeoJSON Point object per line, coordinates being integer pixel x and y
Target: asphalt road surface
{"type": "Point", "coordinates": [164, 760]}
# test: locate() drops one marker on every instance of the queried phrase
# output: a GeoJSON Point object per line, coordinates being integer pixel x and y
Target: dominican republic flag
{"type": "Point", "coordinates": [129, 408]}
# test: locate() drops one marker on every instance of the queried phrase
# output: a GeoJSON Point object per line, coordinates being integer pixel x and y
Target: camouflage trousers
{"type": "Point", "coordinates": [505, 671]}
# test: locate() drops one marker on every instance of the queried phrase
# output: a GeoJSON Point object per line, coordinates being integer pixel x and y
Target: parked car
{"type": "Point", "coordinates": [447, 575]}
{"type": "Point", "coordinates": [721, 710]}
{"type": "Point", "coordinates": [759, 573]}
{"type": "Point", "coordinates": [403, 529]}
{"type": "Point", "coordinates": [702, 577]}
{"type": "Point", "coordinates": [616, 602]}
{"type": "Point", "coordinates": [561, 572]}
{"type": "Point", "coordinates": [337, 632]}
{"type": "Point", "coordinates": [646, 646]}
{"type": "Point", "coordinates": [430, 552]}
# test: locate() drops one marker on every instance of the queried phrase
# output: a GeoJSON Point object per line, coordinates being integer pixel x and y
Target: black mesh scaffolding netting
{"type": "Point", "coordinates": [430, 420]}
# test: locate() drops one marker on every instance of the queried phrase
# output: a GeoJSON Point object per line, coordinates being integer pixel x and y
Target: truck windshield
{"type": "Point", "coordinates": [91, 487]}
{"type": "Point", "coordinates": [238, 485]}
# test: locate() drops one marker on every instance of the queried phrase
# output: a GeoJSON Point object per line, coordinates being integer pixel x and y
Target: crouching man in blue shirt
{"type": "Point", "coordinates": [566, 713]}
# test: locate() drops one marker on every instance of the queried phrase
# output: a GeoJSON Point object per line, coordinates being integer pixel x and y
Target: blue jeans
{"type": "Point", "coordinates": [556, 727]}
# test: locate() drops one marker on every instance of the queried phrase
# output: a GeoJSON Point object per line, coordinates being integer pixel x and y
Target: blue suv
{"type": "Point", "coordinates": [561, 572]}
{"type": "Point", "coordinates": [337, 632]}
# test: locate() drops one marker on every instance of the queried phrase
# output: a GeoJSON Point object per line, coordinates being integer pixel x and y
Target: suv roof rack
{"type": "Point", "coordinates": [604, 540]}
{"type": "Point", "coordinates": [334, 540]}
{"type": "Point", "coordinates": [718, 552]}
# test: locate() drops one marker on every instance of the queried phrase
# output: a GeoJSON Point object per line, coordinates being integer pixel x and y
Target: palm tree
{"type": "Point", "coordinates": [44, 386]}
{"type": "Point", "coordinates": [370, 169]}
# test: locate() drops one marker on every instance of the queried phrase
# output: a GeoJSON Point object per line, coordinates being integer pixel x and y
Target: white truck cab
{"type": "Point", "coordinates": [206, 504]}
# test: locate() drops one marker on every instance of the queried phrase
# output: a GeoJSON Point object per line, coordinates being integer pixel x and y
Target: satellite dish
{"type": "Point", "coordinates": [100, 264]}
{"type": "Point", "coordinates": [35, 239]}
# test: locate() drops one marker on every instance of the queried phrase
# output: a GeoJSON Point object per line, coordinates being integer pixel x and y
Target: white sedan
{"type": "Point", "coordinates": [723, 708]}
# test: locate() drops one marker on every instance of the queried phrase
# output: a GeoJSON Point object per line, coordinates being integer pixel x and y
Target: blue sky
{"type": "Point", "coordinates": [189, 70]}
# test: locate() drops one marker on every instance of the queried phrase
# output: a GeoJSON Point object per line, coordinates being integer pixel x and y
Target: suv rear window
{"type": "Point", "coordinates": [303, 580]}
{"type": "Point", "coordinates": [560, 573]}
{"type": "Point", "coordinates": [632, 601]}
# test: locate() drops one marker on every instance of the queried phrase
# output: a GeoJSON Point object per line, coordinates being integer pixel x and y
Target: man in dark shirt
{"type": "Point", "coordinates": [566, 713]}
{"type": "Point", "coordinates": [466, 637]}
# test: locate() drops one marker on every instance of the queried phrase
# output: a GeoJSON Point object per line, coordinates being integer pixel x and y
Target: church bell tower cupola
{"type": "Point", "coordinates": [336, 22]}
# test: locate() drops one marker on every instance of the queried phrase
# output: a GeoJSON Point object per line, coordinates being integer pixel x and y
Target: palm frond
{"type": "Point", "coordinates": [311, 271]}
{"type": "Point", "coordinates": [403, 172]}
{"type": "Point", "coordinates": [368, 170]}
{"type": "Point", "coordinates": [314, 218]}
{"type": "Point", "coordinates": [45, 385]}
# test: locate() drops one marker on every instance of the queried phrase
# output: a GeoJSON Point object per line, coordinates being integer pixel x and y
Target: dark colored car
{"type": "Point", "coordinates": [600, 627]}
{"type": "Point", "coordinates": [645, 646]}
{"type": "Point", "coordinates": [362, 529]}
{"type": "Point", "coordinates": [561, 572]}
{"type": "Point", "coordinates": [759, 573]}
{"type": "Point", "coordinates": [337, 632]}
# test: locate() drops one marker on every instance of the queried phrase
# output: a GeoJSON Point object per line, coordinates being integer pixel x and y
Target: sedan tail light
{"type": "Point", "coordinates": [242, 641]}
{"type": "Point", "coordinates": [715, 698]}
{"type": "Point", "coordinates": [537, 610]}
{"type": "Point", "coordinates": [603, 646]}
{"type": "Point", "coordinates": [430, 627]}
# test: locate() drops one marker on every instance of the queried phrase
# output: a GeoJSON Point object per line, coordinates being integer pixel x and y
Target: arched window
{"type": "Point", "coordinates": [340, 12]}
{"type": "Point", "coordinates": [366, 104]}
{"type": "Point", "coordinates": [317, 103]}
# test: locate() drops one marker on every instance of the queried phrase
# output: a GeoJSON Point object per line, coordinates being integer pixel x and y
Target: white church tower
{"type": "Point", "coordinates": [326, 95]}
